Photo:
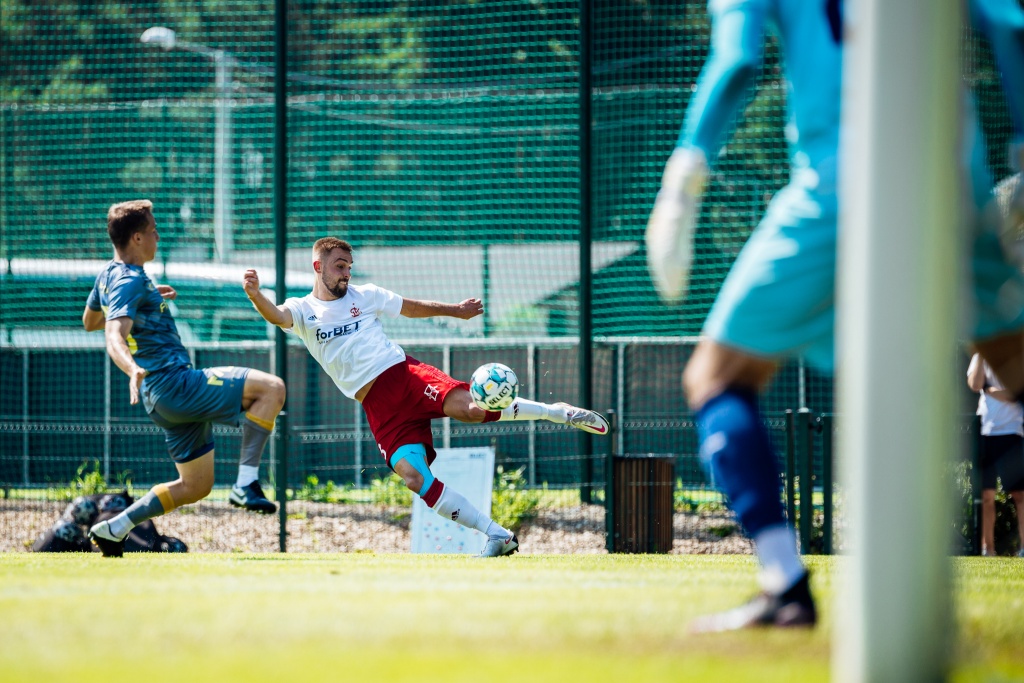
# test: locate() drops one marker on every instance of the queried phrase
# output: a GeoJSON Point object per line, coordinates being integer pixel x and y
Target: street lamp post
{"type": "Point", "coordinates": [223, 186]}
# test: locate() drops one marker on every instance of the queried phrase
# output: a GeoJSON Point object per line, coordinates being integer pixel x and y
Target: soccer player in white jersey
{"type": "Point", "coordinates": [340, 324]}
{"type": "Point", "coordinates": [777, 299]}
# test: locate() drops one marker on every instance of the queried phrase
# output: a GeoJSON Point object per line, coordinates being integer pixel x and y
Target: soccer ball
{"type": "Point", "coordinates": [494, 386]}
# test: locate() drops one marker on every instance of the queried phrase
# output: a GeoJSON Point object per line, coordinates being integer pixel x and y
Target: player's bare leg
{"type": "Point", "coordinates": [263, 395]}
{"type": "Point", "coordinates": [722, 385]}
{"type": "Point", "coordinates": [988, 522]}
{"type": "Point", "coordinates": [409, 462]}
{"type": "Point", "coordinates": [714, 367]}
{"type": "Point", "coordinates": [194, 482]}
{"type": "Point", "coordinates": [459, 405]}
{"type": "Point", "coordinates": [263, 398]}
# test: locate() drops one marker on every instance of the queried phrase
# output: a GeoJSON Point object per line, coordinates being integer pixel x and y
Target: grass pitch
{"type": "Point", "coordinates": [366, 617]}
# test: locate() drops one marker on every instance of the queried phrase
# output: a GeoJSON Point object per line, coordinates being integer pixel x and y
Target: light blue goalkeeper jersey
{"type": "Point", "coordinates": [810, 32]}
{"type": "Point", "coordinates": [1002, 22]}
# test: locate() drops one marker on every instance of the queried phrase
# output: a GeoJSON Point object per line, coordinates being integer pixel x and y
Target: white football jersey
{"type": "Point", "coordinates": [346, 335]}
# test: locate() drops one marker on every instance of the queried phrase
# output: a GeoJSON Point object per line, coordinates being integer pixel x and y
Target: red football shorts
{"type": "Point", "coordinates": [403, 401]}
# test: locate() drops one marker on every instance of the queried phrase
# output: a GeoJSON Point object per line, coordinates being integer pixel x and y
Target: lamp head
{"type": "Point", "coordinates": [160, 36]}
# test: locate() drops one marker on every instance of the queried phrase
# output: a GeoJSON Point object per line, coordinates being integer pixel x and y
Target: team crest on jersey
{"type": "Point", "coordinates": [354, 311]}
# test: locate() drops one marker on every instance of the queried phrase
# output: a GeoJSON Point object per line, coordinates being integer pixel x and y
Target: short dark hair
{"type": "Point", "coordinates": [126, 219]}
{"type": "Point", "coordinates": [325, 245]}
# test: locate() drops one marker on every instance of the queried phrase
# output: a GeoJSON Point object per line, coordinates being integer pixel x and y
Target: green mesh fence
{"type": "Point", "coordinates": [442, 139]}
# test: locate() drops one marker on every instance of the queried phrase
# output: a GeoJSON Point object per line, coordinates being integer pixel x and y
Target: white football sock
{"type": "Point", "coordinates": [247, 474]}
{"type": "Point", "coordinates": [780, 562]}
{"type": "Point", "coordinates": [120, 525]}
{"type": "Point", "coordinates": [454, 506]}
{"type": "Point", "coordinates": [525, 409]}
{"type": "Point", "coordinates": [495, 530]}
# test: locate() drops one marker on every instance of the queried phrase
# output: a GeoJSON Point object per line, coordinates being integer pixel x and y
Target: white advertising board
{"type": "Point", "coordinates": [470, 471]}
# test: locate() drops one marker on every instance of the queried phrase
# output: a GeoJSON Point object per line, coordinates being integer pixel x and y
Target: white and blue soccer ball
{"type": "Point", "coordinates": [494, 386]}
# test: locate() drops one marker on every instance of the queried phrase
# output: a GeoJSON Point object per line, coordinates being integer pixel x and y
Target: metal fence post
{"type": "Point", "coordinates": [620, 393]}
{"type": "Point", "coordinates": [609, 482]}
{"type": "Point", "coordinates": [586, 330]}
{"type": "Point", "coordinates": [805, 464]}
{"type": "Point", "coordinates": [790, 471]}
{"type": "Point", "coordinates": [446, 367]}
{"type": "Point", "coordinates": [825, 423]}
{"type": "Point", "coordinates": [107, 415]}
{"type": "Point", "coordinates": [357, 429]}
{"type": "Point", "coordinates": [281, 244]}
{"type": "Point", "coordinates": [531, 439]}
{"type": "Point", "coordinates": [26, 416]}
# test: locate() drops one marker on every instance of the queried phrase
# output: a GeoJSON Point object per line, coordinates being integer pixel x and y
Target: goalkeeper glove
{"type": "Point", "coordinates": [670, 228]}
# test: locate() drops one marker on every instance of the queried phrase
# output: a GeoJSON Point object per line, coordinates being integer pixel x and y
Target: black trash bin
{"type": "Point", "coordinates": [642, 503]}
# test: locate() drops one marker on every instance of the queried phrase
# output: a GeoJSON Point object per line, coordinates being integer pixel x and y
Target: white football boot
{"type": "Point", "coordinates": [497, 547]}
{"type": "Point", "coordinates": [587, 420]}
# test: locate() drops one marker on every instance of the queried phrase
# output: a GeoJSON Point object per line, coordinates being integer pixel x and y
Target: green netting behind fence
{"type": "Point", "coordinates": [410, 125]}
{"type": "Point", "coordinates": [441, 138]}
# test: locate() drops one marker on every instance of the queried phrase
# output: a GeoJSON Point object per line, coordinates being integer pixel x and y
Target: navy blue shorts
{"type": "Point", "coordinates": [186, 402]}
{"type": "Point", "coordinates": [1002, 456]}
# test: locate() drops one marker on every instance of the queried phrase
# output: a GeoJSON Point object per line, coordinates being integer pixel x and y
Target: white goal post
{"type": "Point", "coordinates": [897, 289]}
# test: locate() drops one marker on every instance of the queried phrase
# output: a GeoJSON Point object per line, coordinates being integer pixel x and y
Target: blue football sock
{"type": "Point", "coordinates": [736, 451]}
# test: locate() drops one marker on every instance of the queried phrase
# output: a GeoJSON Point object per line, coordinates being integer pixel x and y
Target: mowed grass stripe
{"type": "Point", "coordinates": [201, 617]}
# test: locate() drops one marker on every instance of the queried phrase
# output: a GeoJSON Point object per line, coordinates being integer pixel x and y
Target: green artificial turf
{"type": "Point", "coordinates": [367, 617]}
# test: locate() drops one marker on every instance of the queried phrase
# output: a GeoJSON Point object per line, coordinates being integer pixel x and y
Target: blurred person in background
{"type": "Point", "coordinates": [1001, 451]}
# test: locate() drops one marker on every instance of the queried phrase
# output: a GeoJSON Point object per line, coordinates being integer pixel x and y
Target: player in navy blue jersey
{"type": "Point", "coordinates": [143, 342]}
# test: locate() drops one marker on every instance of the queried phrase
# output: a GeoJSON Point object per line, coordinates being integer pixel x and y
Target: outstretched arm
{"type": "Point", "coordinates": [470, 308]}
{"type": "Point", "coordinates": [275, 315]}
{"type": "Point", "coordinates": [737, 38]}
